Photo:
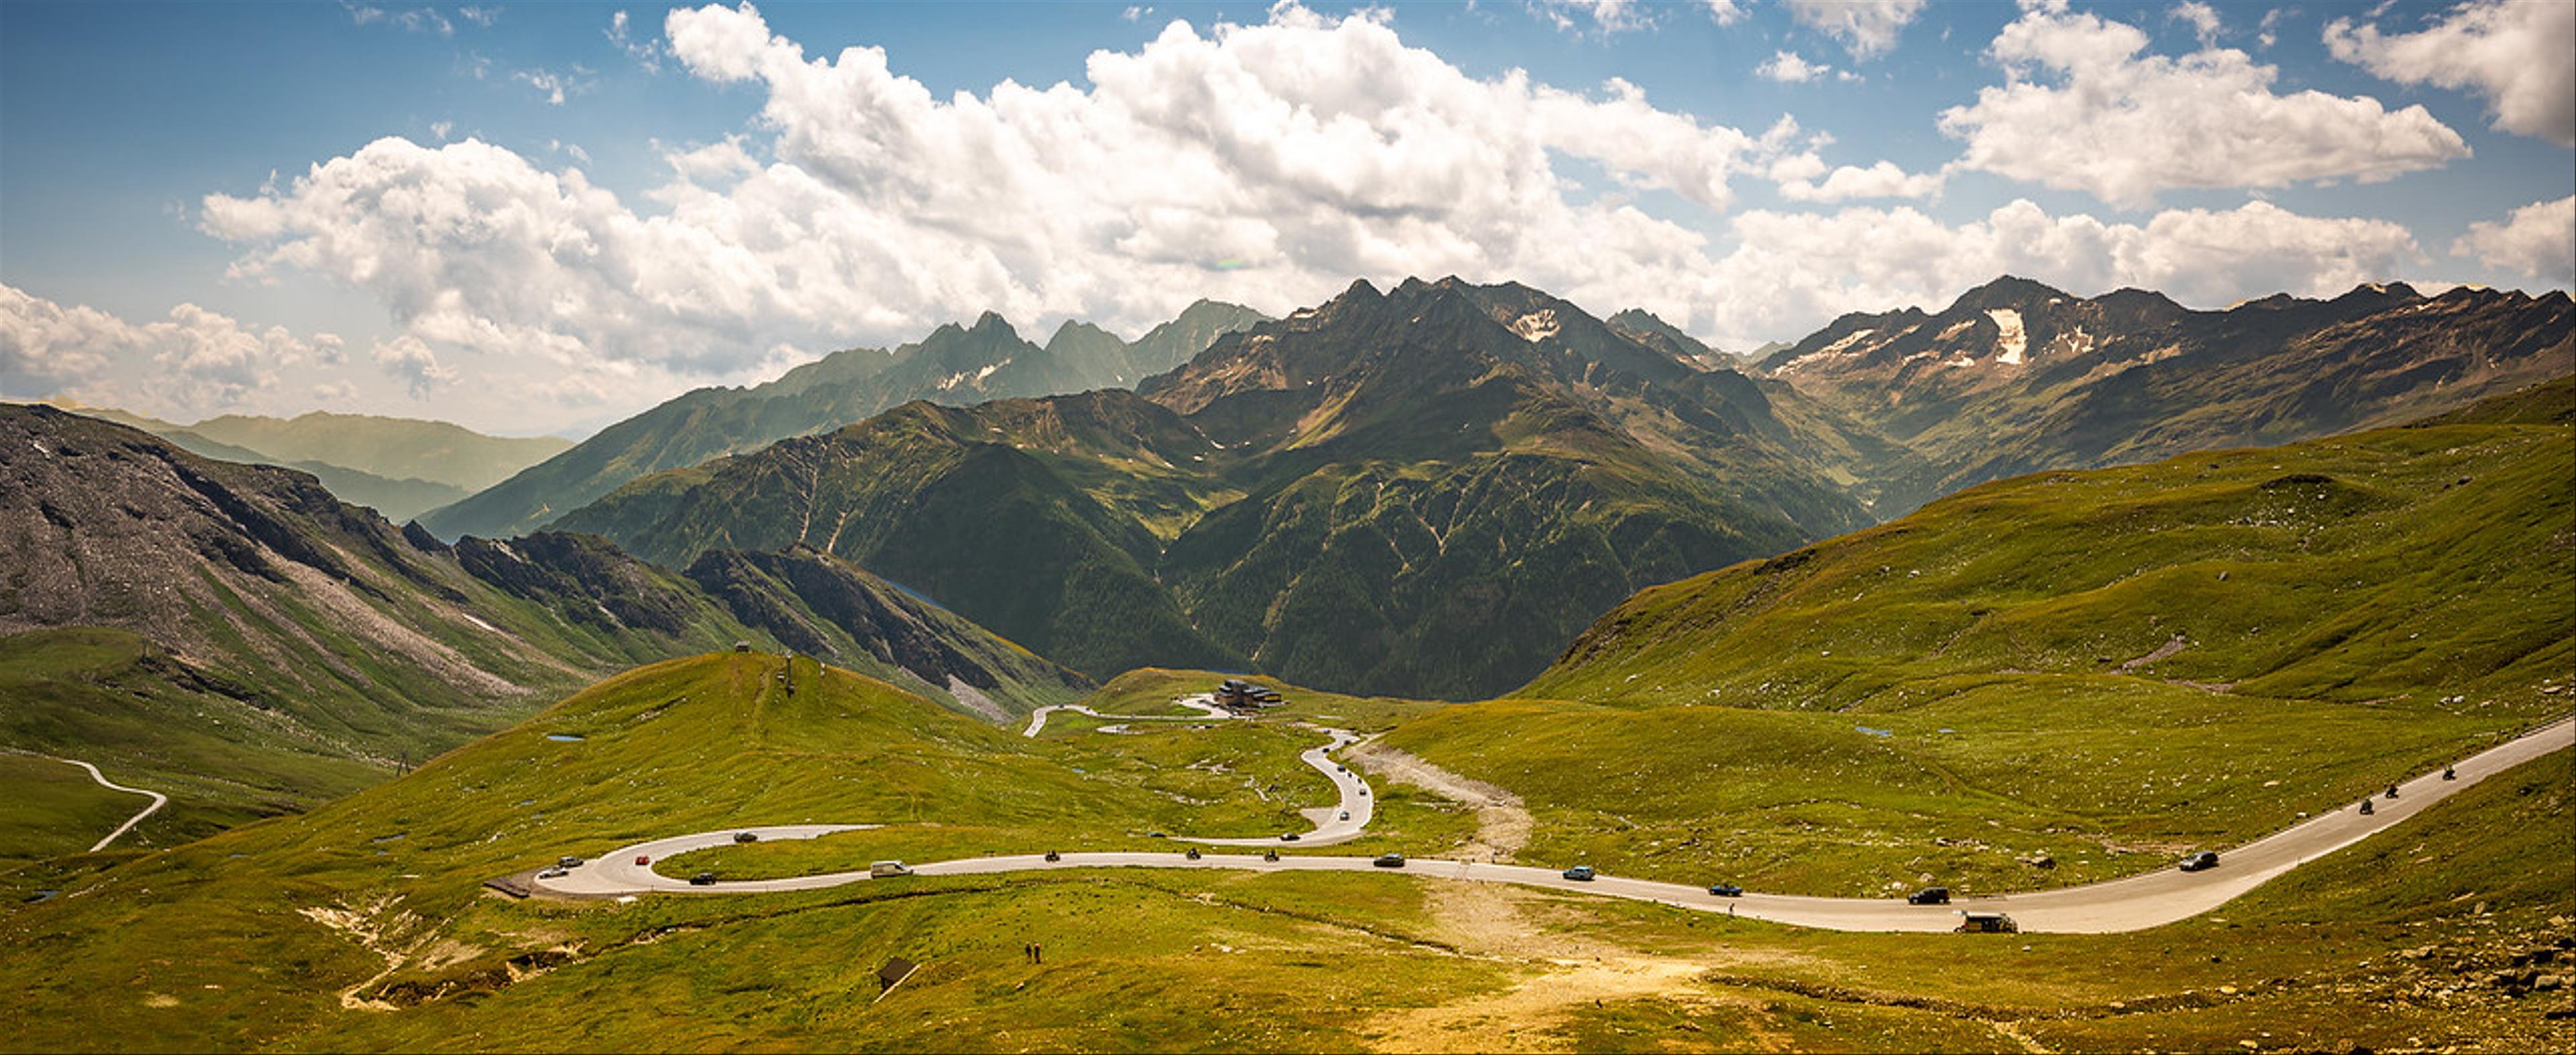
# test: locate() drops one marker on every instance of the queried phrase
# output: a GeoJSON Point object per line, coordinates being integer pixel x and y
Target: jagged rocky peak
{"type": "Point", "coordinates": [2008, 291]}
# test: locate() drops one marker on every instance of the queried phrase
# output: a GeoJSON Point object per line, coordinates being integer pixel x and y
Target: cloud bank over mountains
{"type": "Point", "coordinates": [1270, 164]}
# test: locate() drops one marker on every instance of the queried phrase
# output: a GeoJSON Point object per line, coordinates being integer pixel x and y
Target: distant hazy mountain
{"type": "Point", "coordinates": [269, 632]}
{"type": "Point", "coordinates": [398, 467]}
{"type": "Point", "coordinates": [954, 365]}
{"type": "Point", "coordinates": [1424, 491]}
{"type": "Point", "coordinates": [2015, 376]}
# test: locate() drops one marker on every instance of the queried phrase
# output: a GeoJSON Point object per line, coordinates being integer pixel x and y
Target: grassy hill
{"type": "Point", "coordinates": [359, 927]}
{"type": "Point", "coordinates": [2097, 668]}
{"type": "Point", "coordinates": [234, 636]}
{"type": "Point", "coordinates": [281, 916]}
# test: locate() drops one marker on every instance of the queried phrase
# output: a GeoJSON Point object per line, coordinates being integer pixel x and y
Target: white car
{"type": "Point", "coordinates": [553, 873]}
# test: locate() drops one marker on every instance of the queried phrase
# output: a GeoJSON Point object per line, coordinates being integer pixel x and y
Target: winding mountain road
{"type": "Point", "coordinates": [2135, 903]}
{"type": "Point", "coordinates": [158, 800]}
{"type": "Point", "coordinates": [1202, 702]}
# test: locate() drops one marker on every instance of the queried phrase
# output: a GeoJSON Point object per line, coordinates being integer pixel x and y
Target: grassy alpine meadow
{"type": "Point", "coordinates": [2059, 678]}
{"type": "Point", "coordinates": [280, 920]}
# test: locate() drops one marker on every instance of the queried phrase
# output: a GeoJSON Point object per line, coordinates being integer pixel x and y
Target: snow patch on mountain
{"type": "Point", "coordinates": [1536, 326]}
{"type": "Point", "coordinates": [1831, 350]}
{"type": "Point", "coordinates": [2014, 340]}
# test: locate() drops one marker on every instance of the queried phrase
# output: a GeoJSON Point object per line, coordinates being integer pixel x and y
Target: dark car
{"type": "Point", "coordinates": [1727, 890]}
{"type": "Point", "coordinates": [1581, 873]}
{"type": "Point", "coordinates": [643, 859]}
{"type": "Point", "coordinates": [2201, 860]}
{"type": "Point", "coordinates": [703, 879]}
{"type": "Point", "coordinates": [1287, 837]}
{"type": "Point", "coordinates": [1192, 853]}
{"type": "Point", "coordinates": [1389, 861]}
{"type": "Point", "coordinates": [746, 837]}
{"type": "Point", "coordinates": [1054, 856]}
{"type": "Point", "coordinates": [1930, 895]}
{"type": "Point", "coordinates": [567, 862]}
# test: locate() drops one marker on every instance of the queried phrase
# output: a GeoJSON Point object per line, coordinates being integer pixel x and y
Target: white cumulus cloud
{"type": "Point", "coordinates": [1265, 164]}
{"type": "Point", "coordinates": [1788, 67]}
{"type": "Point", "coordinates": [1794, 271]}
{"type": "Point", "coordinates": [2514, 52]}
{"type": "Point", "coordinates": [2538, 239]}
{"type": "Point", "coordinates": [1846, 183]}
{"type": "Point", "coordinates": [1867, 28]}
{"type": "Point", "coordinates": [2084, 109]}
{"type": "Point", "coordinates": [194, 361]}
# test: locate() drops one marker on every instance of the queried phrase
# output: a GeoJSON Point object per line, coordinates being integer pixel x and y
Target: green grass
{"type": "Point", "coordinates": [1951, 695]}
{"type": "Point", "coordinates": [686, 745]}
{"type": "Point", "coordinates": [54, 809]}
{"type": "Point", "coordinates": [110, 698]}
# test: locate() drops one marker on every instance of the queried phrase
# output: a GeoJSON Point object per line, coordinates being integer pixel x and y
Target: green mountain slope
{"type": "Point", "coordinates": [954, 365]}
{"type": "Point", "coordinates": [2096, 669]}
{"type": "Point", "coordinates": [241, 615]}
{"type": "Point", "coordinates": [983, 509]}
{"type": "Point", "coordinates": [1398, 492]}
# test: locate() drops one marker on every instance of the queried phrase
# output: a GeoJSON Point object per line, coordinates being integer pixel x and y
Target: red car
{"type": "Point", "coordinates": [643, 859]}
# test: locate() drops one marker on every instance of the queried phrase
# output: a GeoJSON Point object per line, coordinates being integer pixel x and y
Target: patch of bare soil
{"type": "Point", "coordinates": [1568, 969]}
{"type": "Point", "coordinates": [1502, 822]}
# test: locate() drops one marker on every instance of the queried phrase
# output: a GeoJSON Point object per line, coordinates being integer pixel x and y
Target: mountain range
{"type": "Point", "coordinates": [1425, 490]}
{"type": "Point", "coordinates": [2015, 377]}
{"type": "Point", "coordinates": [399, 467]}
{"type": "Point", "coordinates": [955, 365]}
{"type": "Point", "coordinates": [1420, 491]}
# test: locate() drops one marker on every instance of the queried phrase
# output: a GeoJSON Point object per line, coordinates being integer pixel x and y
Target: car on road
{"type": "Point", "coordinates": [552, 873]}
{"type": "Point", "coordinates": [746, 837]}
{"type": "Point", "coordinates": [1287, 837]}
{"type": "Point", "coordinates": [1727, 890]}
{"type": "Point", "coordinates": [1054, 856]}
{"type": "Point", "coordinates": [643, 859]}
{"type": "Point", "coordinates": [703, 879]}
{"type": "Point", "coordinates": [1156, 835]}
{"type": "Point", "coordinates": [1930, 895]}
{"type": "Point", "coordinates": [887, 869]}
{"type": "Point", "coordinates": [1580, 873]}
{"type": "Point", "coordinates": [1346, 814]}
{"type": "Point", "coordinates": [1192, 853]}
{"type": "Point", "coordinates": [567, 862]}
{"type": "Point", "coordinates": [1389, 861]}
{"type": "Point", "coordinates": [2203, 860]}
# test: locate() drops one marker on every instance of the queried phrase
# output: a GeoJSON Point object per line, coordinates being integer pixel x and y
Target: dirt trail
{"type": "Point", "coordinates": [1502, 822]}
{"type": "Point", "coordinates": [1521, 1018]}
{"type": "Point", "coordinates": [1569, 970]}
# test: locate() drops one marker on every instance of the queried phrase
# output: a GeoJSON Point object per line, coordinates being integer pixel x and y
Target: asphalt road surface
{"type": "Point", "coordinates": [158, 800]}
{"type": "Point", "coordinates": [2136, 903]}
{"type": "Point", "coordinates": [1202, 703]}
{"type": "Point", "coordinates": [1341, 822]}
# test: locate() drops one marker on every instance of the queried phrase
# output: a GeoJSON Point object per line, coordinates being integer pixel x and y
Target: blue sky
{"type": "Point", "coordinates": [533, 218]}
